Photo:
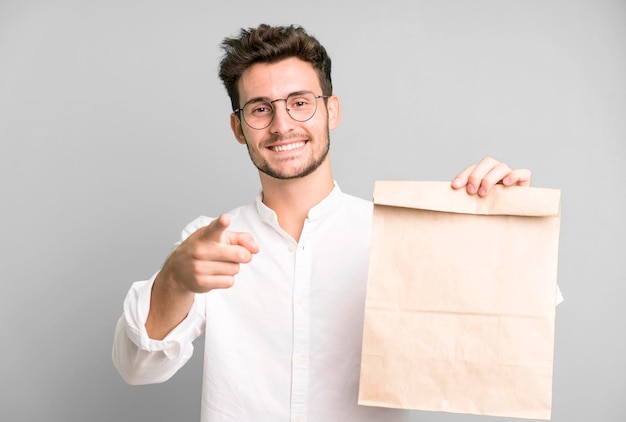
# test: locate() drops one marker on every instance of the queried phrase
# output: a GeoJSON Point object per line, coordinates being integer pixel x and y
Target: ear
{"type": "Point", "coordinates": [334, 111]}
{"type": "Point", "coordinates": [235, 125]}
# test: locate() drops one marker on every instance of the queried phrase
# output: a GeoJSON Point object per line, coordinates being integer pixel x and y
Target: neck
{"type": "Point", "coordinates": [291, 199]}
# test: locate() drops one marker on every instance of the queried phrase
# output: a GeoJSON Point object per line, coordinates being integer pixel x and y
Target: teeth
{"type": "Point", "coordinates": [288, 147]}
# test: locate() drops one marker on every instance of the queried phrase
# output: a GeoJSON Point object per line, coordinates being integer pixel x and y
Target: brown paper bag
{"type": "Point", "coordinates": [461, 298]}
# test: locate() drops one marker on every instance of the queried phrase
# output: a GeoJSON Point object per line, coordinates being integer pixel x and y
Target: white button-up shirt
{"type": "Point", "coordinates": [284, 343]}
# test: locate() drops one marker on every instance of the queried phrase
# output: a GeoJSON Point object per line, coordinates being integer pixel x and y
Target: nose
{"type": "Point", "coordinates": [282, 121]}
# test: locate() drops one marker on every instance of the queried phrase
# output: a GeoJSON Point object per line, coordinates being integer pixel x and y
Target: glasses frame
{"type": "Point", "coordinates": [239, 111]}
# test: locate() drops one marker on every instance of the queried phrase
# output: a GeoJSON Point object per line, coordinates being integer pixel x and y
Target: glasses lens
{"type": "Point", "coordinates": [301, 107]}
{"type": "Point", "coordinates": [258, 114]}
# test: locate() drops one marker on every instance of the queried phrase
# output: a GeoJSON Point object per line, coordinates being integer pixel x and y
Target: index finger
{"type": "Point", "coordinates": [215, 230]}
{"type": "Point", "coordinates": [480, 178]}
{"type": "Point", "coordinates": [518, 177]}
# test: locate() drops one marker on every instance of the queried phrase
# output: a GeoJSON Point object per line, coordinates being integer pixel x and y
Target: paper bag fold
{"type": "Point", "coordinates": [461, 295]}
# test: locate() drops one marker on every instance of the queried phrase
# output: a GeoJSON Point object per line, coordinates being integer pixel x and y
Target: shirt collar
{"type": "Point", "coordinates": [323, 208]}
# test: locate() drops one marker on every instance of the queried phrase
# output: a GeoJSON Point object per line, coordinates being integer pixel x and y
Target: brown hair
{"type": "Point", "coordinates": [270, 44]}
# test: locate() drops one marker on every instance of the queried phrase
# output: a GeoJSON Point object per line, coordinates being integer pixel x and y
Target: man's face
{"type": "Point", "coordinates": [286, 149]}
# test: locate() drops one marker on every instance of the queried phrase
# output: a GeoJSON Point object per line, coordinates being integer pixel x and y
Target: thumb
{"type": "Point", "coordinates": [215, 230]}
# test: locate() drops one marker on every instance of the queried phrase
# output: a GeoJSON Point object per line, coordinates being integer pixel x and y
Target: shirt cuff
{"type": "Point", "coordinates": [136, 309]}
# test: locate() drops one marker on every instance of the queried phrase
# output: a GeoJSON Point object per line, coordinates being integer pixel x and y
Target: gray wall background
{"type": "Point", "coordinates": [114, 134]}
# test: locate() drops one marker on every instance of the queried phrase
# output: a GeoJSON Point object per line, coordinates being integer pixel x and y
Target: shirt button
{"type": "Point", "coordinates": [299, 418]}
{"type": "Point", "coordinates": [292, 248]}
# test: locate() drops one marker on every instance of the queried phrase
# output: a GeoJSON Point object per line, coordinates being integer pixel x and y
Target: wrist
{"type": "Point", "coordinates": [166, 283]}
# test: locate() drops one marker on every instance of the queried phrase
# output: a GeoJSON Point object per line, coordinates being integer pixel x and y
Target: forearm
{"type": "Point", "coordinates": [169, 305]}
{"type": "Point", "coordinates": [142, 360]}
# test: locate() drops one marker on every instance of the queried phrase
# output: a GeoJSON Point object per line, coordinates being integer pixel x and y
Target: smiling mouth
{"type": "Point", "coordinates": [287, 147]}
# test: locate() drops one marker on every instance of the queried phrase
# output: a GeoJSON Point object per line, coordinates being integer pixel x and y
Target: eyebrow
{"type": "Point", "coordinates": [303, 91]}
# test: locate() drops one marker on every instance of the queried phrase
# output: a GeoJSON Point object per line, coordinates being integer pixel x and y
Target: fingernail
{"type": "Point", "coordinates": [482, 192]}
{"type": "Point", "coordinates": [470, 188]}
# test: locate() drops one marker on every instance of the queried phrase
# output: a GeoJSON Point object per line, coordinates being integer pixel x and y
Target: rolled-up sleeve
{"type": "Point", "coordinates": [142, 360]}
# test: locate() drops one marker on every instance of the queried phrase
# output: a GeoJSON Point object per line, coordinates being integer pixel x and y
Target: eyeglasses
{"type": "Point", "coordinates": [258, 113]}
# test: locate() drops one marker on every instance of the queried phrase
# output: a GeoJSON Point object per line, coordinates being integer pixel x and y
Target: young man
{"type": "Point", "coordinates": [277, 286]}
